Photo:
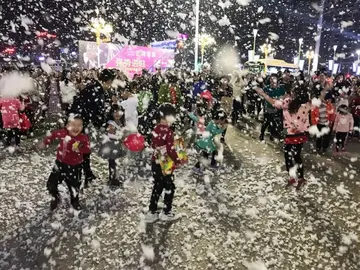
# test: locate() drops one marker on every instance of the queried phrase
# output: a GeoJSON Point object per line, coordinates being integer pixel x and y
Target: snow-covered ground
{"type": "Point", "coordinates": [242, 219]}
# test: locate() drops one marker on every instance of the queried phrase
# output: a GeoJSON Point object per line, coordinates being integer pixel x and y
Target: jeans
{"type": "Point", "coordinates": [269, 122]}
{"type": "Point", "coordinates": [340, 140]}
{"type": "Point", "coordinates": [71, 174]}
{"type": "Point", "coordinates": [13, 133]}
{"type": "Point", "coordinates": [292, 153]}
{"type": "Point", "coordinates": [323, 142]}
{"type": "Point", "coordinates": [206, 156]}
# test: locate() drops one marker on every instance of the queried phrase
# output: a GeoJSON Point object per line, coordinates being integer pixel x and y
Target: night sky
{"type": "Point", "coordinates": [228, 21]}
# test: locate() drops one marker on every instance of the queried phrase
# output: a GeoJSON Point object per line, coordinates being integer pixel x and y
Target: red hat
{"type": "Point", "coordinates": [207, 95]}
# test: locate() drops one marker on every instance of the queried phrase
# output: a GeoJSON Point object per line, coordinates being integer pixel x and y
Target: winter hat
{"type": "Point", "coordinates": [167, 109]}
{"type": "Point", "coordinates": [107, 75]}
{"type": "Point", "coordinates": [343, 109]}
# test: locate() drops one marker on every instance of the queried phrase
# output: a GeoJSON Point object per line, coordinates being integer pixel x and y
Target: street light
{"type": "Point", "coordinates": [99, 26]}
{"type": "Point", "coordinates": [310, 55]}
{"type": "Point", "coordinates": [197, 14]}
{"type": "Point", "coordinates": [255, 32]}
{"type": "Point", "coordinates": [301, 40]}
{"type": "Point", "coordinates": [205, 40]}
{"type": "Point", "coordinates": [335, 48]}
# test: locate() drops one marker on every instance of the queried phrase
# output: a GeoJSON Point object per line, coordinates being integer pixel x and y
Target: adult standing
{"type": "Point", "coordinates": [272, 114]}
{"type": "Point", "coordinates": [90, 104]}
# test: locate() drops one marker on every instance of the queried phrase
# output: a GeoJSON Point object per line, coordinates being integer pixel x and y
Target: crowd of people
{"type": "Point", "coordinates": [152, 109]}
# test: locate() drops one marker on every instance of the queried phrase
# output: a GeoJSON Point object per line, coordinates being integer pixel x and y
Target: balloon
{"type": "Point", "coordinates": [207, 95]}
{"type": "Point", "coordinates": [135, 142]}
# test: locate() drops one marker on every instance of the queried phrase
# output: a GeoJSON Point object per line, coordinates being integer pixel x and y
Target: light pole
{"type": "Point", "coordinates": [318, 34]}
{"type": "Point", "coordinates": [205, 40]}
{"type": "Point", "coordinates": [255, 32]}
{"type": "Point", "coordinates": [99, 26]}
{"type": "Point", "coordinates": [335, 48]}
{"type": "Point", "coordinates": [197, 14]}
{"type": "Point", "coordinates": [266, 49]}
{"type": "Point", "coordinates": [309, 56]}
{"type": "Point", "coordinates": [301, 40]}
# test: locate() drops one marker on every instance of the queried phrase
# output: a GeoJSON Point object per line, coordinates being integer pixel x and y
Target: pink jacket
{"type": "Point", "coordinates": [10, 108]}
{"type": "Point", "coordinates": [344, 123]}
{"type": "Point", "coordinates": [294, 123]}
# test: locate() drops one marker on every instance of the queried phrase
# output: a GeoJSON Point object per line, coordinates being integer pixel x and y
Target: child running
{"type": "Point", "coordinates": [296, 111]}
{"type": "Point", "coordinates": [72, 146]}
{"type": "Point", "coordinates": [10, 108]}
{"type": "Point", "coordinates": [207, 144]}
{"type": "Point", "coordinates": [163, 145]}
{"type": "Point", "coordinates": [343, 125]}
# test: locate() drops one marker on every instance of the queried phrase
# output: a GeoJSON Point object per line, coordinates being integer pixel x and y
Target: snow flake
{"type": "Point", "coordinates": [148, 252]}
{"type": "Point", "coordinates": [265, 20]}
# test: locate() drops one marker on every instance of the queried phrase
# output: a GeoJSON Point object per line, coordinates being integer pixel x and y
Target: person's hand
{"type": "Point", "coordinates": [260, 91]}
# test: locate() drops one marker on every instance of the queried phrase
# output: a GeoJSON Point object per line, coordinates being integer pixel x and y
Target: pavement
{"type": "Point", "coordinates": [239, 218]}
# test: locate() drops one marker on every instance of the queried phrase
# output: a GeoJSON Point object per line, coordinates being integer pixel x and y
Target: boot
{"type": "Point", "coordinates": [88, 179]}
{"type": "Point", "coordinates": [290, 182]}
{"type": "Point", "coordinates": [54, 203]}
{"type": "Point", "coordinates": [300, 184]}
{"type": "Point", "coordinates": [113, 181]}
{"type": "Point", "coordinates": [75, 203]}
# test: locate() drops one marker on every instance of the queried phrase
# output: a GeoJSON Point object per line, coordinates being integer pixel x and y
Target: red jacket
{"type": "Point", "coordinates": [163, 142]}
{"type": "Point", "coordinates": [355, 106]}
{"type": "Point", "coordinates": [70, 149]}
{"type": "Point", "coordinates": [330, 114]}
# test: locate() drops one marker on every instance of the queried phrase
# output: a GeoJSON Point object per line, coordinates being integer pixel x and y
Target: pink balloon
{"type": "Point", "coordinates": [135, 142]}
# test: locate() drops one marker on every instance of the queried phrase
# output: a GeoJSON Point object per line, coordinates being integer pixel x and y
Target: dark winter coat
{"type": "Point", "coordinates": [90, 104]}
{"type": "Point", "coordinates": [111, 148]}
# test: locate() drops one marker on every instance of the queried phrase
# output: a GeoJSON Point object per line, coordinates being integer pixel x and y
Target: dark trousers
{"type": "Point", "coordinates": [13, 133]}
{"type": "Point", "coordinates": [161, 182]}
{"type": "Point", "coordinates": [68, 173]}
{"type": "Point", "coordinates": [323, 142]}
{"type": "Point", "coordinates": [86, 166]}
{"type": "Point", "coordinates": [340, 140]}
{"type": "Point", "coordinates": [236, 111]}
{"type": "Point", "coordinates": [292, 154]}
{"type": "Point", "coordinates": [207, 156]}
{"type": "Point", "coordinates": [269, 122]}
{"type": "Point", "coordinates": [112, 170]}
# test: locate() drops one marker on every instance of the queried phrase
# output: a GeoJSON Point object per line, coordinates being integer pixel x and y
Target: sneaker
{"type": "Point", "coordinates": [171, 216]}
{"type": "Point", "coordinates": [90, 177]}
{"type": "Point", "coordinates": [75, 204]}
{"type": "Point", "coordinates": [291, 182]}
{"type": "Point", "coordinates": [54, 203]}
{"type": "Point", "coordinates": [151, 217]}
{"type": "Point", "coordinates": [197, 171]}
{"type": "Point", "coordinates": [300, 184]}
{"type": "Point", "coordinates": [261, 138]}
{"type": "Point", "coordinates": [114, 182]}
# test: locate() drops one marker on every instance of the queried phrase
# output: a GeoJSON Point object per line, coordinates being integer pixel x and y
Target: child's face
{"type": "Point", "coordinates": [117, 115]}
{"type": "Point", "coordinates": [111, 129]}
{"type": "Point", "coordinates": [220, 123]}
{"type": "Point", "coordinates": [75, 127]}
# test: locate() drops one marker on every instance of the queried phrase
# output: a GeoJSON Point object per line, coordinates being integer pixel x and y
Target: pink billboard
{"type": "Point", "coordinates": [133, 59]}
{"type": "Point", "coordinates": [130, 59]}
